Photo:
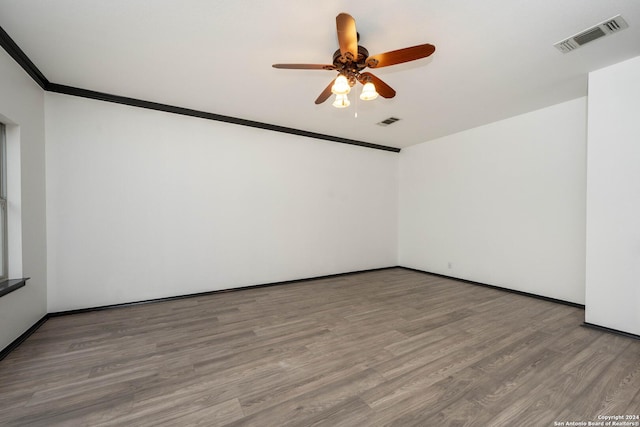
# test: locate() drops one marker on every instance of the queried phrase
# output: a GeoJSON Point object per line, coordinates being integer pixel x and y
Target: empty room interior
{"type": "Point", "coordinates": [244, 213]}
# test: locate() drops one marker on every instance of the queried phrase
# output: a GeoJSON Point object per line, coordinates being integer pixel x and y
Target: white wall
{"type": "Point", "coordinates": [613, 198]}
{"type": "Point", "coordinates": [144, 204]}
{"type": "Point", "coordinates": [22, 109]}
{"type": "Point", "coordinates": [502, 203]}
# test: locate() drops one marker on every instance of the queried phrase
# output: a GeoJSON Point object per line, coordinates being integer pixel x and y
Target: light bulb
{"type": "Point", "coordinates": [341, 101]}
{"type": "Point", "coordinates": [341, 86]}
{"type": "Point", "coordinates": [368, 92]}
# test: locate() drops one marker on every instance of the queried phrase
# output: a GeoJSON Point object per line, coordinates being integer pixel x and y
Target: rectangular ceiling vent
{"type": "Point", "coordinates": [387, 122]}
{"type": "Point", "coordinates": [605, 28]}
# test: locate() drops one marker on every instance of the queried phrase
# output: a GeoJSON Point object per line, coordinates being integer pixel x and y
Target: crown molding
{"type": "Point", "coordinates": [22, 59]}
{"type": "Point", "coordinates": [30, 68]}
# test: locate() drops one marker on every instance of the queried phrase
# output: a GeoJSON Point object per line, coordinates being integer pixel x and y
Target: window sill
{"type": "Point", "coordinates": [8, 286]}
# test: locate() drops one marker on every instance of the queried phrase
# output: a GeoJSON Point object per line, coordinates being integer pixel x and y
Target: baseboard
{"type": "Point", "coordinates": [199, 294]}
{"type": "Point", "coordinates": [500, 288]}
{"type": "Point", "coordinates": [16, 343]}
{"type": "Point", "coordinates": [5, 352]}
{"type": "Point", "coordinates": [35, 327]}
{"type": "Point", "coordinates": [612, 331]}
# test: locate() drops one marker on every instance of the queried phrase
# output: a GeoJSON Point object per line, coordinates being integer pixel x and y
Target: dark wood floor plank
{"type": "Point", "coordinates": [388, 347]}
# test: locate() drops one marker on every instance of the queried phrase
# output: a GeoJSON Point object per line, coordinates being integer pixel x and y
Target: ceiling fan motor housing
{"type": "Point", "coordinates": [351, 68]}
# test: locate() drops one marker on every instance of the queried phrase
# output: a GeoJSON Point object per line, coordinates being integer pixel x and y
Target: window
{"type": "Point", "coordinates": [4, 247]}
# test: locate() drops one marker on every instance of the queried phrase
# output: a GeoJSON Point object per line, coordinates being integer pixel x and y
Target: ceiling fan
{"type": "Point", "coordinates": [350, 61]}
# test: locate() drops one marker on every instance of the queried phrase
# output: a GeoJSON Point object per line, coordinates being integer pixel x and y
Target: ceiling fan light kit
{"type": "Point", "coordinates": [350, 61]}
{"type": "Point", "coordinates": [340, 86]}
{"type": "Point", "coordinates": [342, 101]}
{"type": "Point", "coordinates": [368, 92]}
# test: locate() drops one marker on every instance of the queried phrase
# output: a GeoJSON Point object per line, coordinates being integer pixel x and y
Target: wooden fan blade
{"type": "Point", "coordinates": [305, 66]}
{"type": "Point", "coordinates": [383, 89]}
{"type": "Point", "coordinates": [326, 93]}
{"type": "Point", "coordinates": [401, 55]}
{"type": "Point", "coordinates": [347, 35]}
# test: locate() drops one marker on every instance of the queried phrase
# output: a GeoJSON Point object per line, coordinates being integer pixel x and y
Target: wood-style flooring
{"type": "Point", "coordinates": [387, 347]}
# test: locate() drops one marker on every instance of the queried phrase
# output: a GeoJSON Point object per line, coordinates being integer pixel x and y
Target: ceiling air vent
{"type": "Point", "coordinates": [605, 28]}
{"type": "Point", "coordinates": [388, 121]}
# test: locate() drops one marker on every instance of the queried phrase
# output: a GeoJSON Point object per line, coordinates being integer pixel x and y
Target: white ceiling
{"type": "Point", "coordinates": [494, 58]}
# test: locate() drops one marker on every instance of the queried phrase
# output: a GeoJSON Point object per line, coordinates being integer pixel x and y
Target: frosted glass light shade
{"type": "Point", "coordinates": [341, 86]}
{"type": "Point", "coordinates": [341, 101]}
{"type": "Point", "coordinates": [368, 92]}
